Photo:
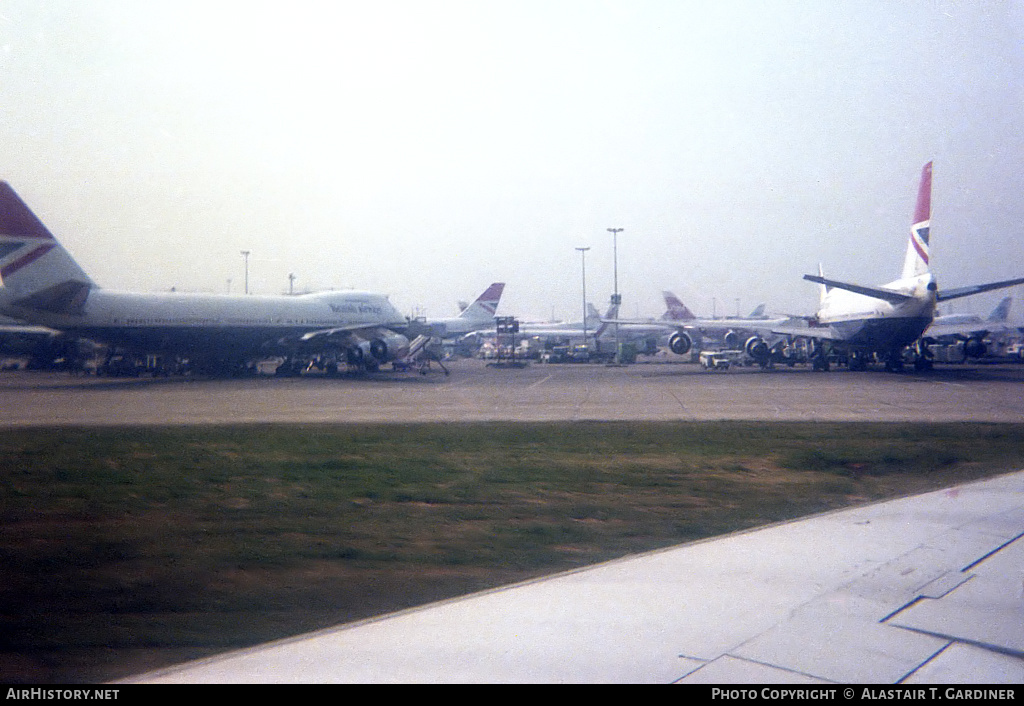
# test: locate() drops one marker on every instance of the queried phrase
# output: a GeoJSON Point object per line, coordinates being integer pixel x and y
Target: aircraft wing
{"type": "Point", "coordinates": [27, 330]}
{"type": "Point", "coordinates": [760, 325]}
{"type": "Point", "coordinates": [797, 327]}
{"type": "Point", "coordinates": [371, 343]}
{"type": "Point", "coordinates": [924, 589]}
{"type": "Point", "coordinates": [665, 326]}
{"type": "Point", "coordinates": [342, 334]}
{"type": "Point", "coordinates": [963, 330]}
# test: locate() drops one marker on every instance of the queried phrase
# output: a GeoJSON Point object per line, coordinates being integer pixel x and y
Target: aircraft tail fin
{"type": "Point", "coordinates": [916, 261]}
{"type": "Point", "coordinates": [486, 304]}
{"type": "Point", "coordinates": [675, 310]}
{"type": "Point", "coordinates": [823, 288]}
{"type": "Point", "coordinates": [1002, 312]}
{"type": "Point", "coordinates": [758, 312]}
{"type": "Point", "coordinates": [593, 316]}
{"type": "Point", "coordinates": [36, 271]}
{"type": "Point", "coordinates": [613, 313]}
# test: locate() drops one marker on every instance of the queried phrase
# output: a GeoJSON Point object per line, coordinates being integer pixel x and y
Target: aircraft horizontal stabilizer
{"type": "Point", "coordinates": [976, 289]}
{"type": "Point", "coordinates": [874, 292]}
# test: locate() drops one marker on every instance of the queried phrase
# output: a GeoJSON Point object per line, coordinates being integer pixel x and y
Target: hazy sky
{"type": "Point", "coordinates": [427, 148]}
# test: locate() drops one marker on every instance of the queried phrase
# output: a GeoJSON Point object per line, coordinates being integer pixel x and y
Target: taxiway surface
{"type": "Point", "coordinates": [476, 392]}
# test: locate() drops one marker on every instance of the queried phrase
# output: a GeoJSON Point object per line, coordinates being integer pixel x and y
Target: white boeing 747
{"type": "Point", "coordinates": [855, 322]}
{"type": "Point", "coordinates": [864, 323]}
{"type": "Point", "coordinates": [43, 285]}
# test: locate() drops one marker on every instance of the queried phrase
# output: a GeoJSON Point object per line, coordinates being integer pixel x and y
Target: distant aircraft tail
{"type": "Point", "coordinates": [593, 316]}
{"type": "Point", "coordinates": [613, 313]}
{"type": "Point", "coordinates": [758, 312]}
{"type": "Point", "coordinates": [675, 310]}
{"type": "Point", "coordinates": [36, 271]}
{"type": "Point", "coordinates": [482, 310]}
{"type": "Point", "coordinates": [1002, 312]}
{"type": "Point", "coordinates": [916, 261]}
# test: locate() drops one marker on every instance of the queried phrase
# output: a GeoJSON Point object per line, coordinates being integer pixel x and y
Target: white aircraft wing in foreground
{"type": "Point", "coordinates": [924, 589]}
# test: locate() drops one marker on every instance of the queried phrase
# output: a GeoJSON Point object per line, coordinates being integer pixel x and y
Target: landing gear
{"type": "Point", "coordinates": [289, 367]}
{"type": "Point", "coordinates": [819, 357]}
{"type": "Point", "coordinates": [923, 357]}
{"type": "Point", "coordinates": [894, 362]}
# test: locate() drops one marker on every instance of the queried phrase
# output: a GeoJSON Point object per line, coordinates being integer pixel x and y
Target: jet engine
{"type": "Point", "coordinates": [733, 339]}
{"type": "Point", "coordinates": [355, 355]}
{"type": "Point", "coordinates": [390, 347]}
{"type": "Point", "coordinates": [379, 350]}
{"type": "Point", "coordinates": [975, 347]}
{"type": "Point", "coordinates": [680, 343]}
{"type": "Point", "coordinates": [757, 348]}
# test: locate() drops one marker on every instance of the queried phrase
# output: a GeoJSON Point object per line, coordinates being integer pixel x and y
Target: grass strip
{"type": "Point", "coordinates": [127, 549]}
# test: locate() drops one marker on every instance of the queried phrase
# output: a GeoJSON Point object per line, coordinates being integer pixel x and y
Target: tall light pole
{"type": "Point", "coordinates": [616, 298]}
{"type": "Point", "coordinates": [583, 257]}
{"type": "Point", "coordinates": [245, 254]}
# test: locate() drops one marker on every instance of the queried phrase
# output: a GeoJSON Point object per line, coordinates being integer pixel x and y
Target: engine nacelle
{"type": "Point", "coordinates": [680, 343]}
{"type": "Point", "coordinates": [379, 350]}
{"type": "Point", "coordinates": [732, 339]}
{"type": "Point", "coordinates": [757, 348]}
{"type": "Point", "coordinates": [975, 347]}
{"type": "Point", "coordinates": [388, 348]}
{"type": "Point", "coordinates": [357, 354]}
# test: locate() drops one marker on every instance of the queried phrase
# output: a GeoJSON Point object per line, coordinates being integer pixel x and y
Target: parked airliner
{"type": "Point", "coordinates": [479, 314]}
{"type": "Point", "coordinates": [865, 323]}
{"type": "Point", "coordinates": [858, 323]}
{"type": "Point", "coordinates": [686, 332]}
{"type": "Point", "coordinates": [43, 285]}
{"type": "Point", "coordinates": [695, 332]}
{"type": "Point", "coordinates": [970, 329]}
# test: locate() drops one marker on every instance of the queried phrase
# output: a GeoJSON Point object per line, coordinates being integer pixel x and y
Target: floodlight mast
{"type": "Point", "coordinates": [583, 257]}
{"type": "Point", "coordinates": [616, 298]}
{"type": "Point", "coordinates": [245, 254]}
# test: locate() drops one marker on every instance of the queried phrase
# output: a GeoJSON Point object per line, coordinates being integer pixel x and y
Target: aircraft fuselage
{"type": "Point", "coordinates": [875, 324]}
{"type": "Point", "coordinates": [210, 324]}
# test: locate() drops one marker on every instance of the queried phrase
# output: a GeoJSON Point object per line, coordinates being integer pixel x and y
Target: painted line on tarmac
{"type": "Point", "coordinates": [539, 382]}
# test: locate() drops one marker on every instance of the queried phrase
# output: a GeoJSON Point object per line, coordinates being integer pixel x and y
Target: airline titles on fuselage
{"type": "Point", "coordinates": [230, 320]}
{"type": "Point", "coordinates": [356, 308]}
